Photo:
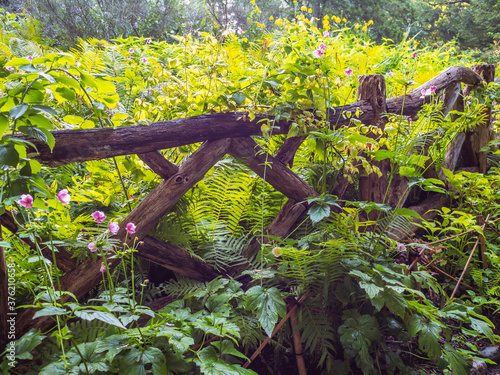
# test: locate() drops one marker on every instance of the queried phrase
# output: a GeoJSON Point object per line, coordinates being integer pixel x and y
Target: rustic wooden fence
{"type": "Point", "coordinates": [230, 133]}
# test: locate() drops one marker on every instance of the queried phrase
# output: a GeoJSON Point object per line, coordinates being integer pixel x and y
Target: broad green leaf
{"type": "Point", "coordinates": [4, 124]}
{"type": "Point", "coordinates": [318, 212]}
{"type": "Point", "coordinates": [40, 121]}
{"type": "Point", "coordinates": [99, 315]}
{"type": "Point", "coordinates": [49, 310]}
{"type": "Point", "coordinates": [371, 289]}
{"type": "Point", "coordinates": [45, 108]}
{"type": "Point", "coordinates": [483, 328]}
{"type": "Point", "coordinates": [268, 304]}
{"type": "Point", "coordinates": [8, 155]}
{"type": "Point", "coordinates": [18, 111]}
{"type": "Point", "coordinates": [27, 343]}
{"type": "Point", "coordinates": [458, 364]}
{"type": "Point", "coordinates": [239, 98]}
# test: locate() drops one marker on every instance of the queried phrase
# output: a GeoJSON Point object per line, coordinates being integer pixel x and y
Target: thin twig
{"type": "Point", "coordinates": [297, 344]}
{"type": "Point", "coordinates": [276, 329]}
{"type": "Point", "coordinates": [468, 261]}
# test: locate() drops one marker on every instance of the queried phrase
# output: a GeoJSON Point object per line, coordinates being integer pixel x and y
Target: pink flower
{"type": "Point", "coordinates": [348, 72]}
{"type": "Point", "coordinates": [277, 252]}
{"type": "Point", "coordinates": [431, 90]}
{"type": "Point", "coordinates": [113, 227]}
{"type": "Point", "coordinates": [318, 53]}
{"type": "Point", "coordinates": [103, 268]}
{"type": "Point", "coordinates": [414, 54]}
{"type": "Point", "coordinates": [26, 201]}
{"type": "Point", "coordinates": [130, 58]}
{"type": "Point", "coordinates": [30, 58]}
{"type": "Point", "coordinates": [64, 196]}
{"type": "Point", "coordinates": [322, 47]}
{"type": "Point", "coordinates": [144, 60]}
{"type": "Point", "coordinates": [131, 228]}
{"type": "Point", "coordinates": [92, 247]}
{"type": "Point", "coordinates": [401, 247]}
{"type": "Point", "coordinates": [148, 40]}
{"type": "Point", "coordinates": [9, 68]}
{"type": "Point", "coordinates": [130, 50]}
{"type": "Point", "coordinates": [240, 31]}
{"type": "Point", "coordinates": [326, 34]}
{"type": "Point", "coordinates": [78, 64]}
{"type": "Point", "coordinates": [98, 216]}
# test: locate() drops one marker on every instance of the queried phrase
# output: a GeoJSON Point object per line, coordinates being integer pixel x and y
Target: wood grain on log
{"type": "Point", "coordinates": [146, 214]}
{"type": "Point", "coordinates": [373, 188]}
{"type": "Point", "coordinates": [481, 135]}
{"type": "Point", "coordinates": [157, 162]}
{"type": "Point", "coordinates": [93, 144]}
{"type": "Point", "coordinates": [175, 259]}
{"type": "Point", "coordinates": [287, 151]}
{"type": "Point", "coordinates": [275, 172]}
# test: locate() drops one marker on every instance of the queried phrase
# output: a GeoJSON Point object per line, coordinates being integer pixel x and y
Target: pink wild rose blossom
{"type": "Point", "coordinates": [113, 227]}
{"type": "Point", "coordinates": [322, 47]}
{"type": "Point", "coordinates": [130, 50]}
{"type": "Point", "coordinates": [326, 34]}
{"type": "Point", "coordinates": [348, 72]}
{"type": "Point", "coordinates": [98, 216]}
{"type": "Point", "coordinates": [103, 268]}
{"type": "Point", "coordinates": [277, 252]}
{"type": "Point", "coordinates": [92, 247]}
{"type": "Point", "coordinates": [414, 54]}
{"type": "Point", "coordinates": [30, 58]}
{"type": "Point", "coordinates": [9, 68]}
{"type": "Point", "coordinates": [148, 40]}
{"type": "Point", "coordinates": [64, 196]}
{"type": "Point", "coordinates": [130, 228]}
{"type": "Point", "coordinates": [240, 31]}
{"type": "Point", "coordinates": [318, 53]}
{"type": "Point", "coordinates": [26, 201]}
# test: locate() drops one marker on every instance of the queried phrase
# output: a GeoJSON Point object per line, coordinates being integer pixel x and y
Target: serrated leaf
{"type": "Point", "coordinates": [482, 327]}
{"type": "Point", "coordinates": [458, 364]}
{"type": "Point", "coordinates": [371, 289]}
{"type": "Point", "coordinates": [268, 304]}
{"type": "Point", "coordinates": [395, 302]}
{"type": "Point", "coordinates": [318, 212]}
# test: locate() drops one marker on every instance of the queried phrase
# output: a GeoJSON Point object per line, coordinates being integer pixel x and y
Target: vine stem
{"type": "Point", "coordinates": [468, 260]}
{"type": "Point", "coordinates": [275, 330]}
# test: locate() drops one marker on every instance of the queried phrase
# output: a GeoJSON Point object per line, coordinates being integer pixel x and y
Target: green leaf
{"type": "Point", "coordinates": [18, 111]}
{"type": "Point", "coordinates": [407, 212]}
{"type": "Point", "coordinates": [458, 364]}
{"type": "Point", "coordinates": [27, 343]}
{"type": "Point", "coordinates": [4, 124]}
{"type": "Point", "coordinates": [45, 108]}
{"type": "Point", "coordinates": [49, 310]}
{"type": "Point", "coordinates": [318, 212]}
{"type": "Point", "coordinates": [483, 328]}
{"type": "Point", "coordinates": [40, 121]}
{"type": "Point", "coordinates": [99, 315]}
{"type": "Point", "coordinates": [239, 98]}
{"type": "Point", "coordinates": [8, 155]}
{"type": "Point", "coordinates": [268, 304]}
{"type": "Point", "coordinates": [429, 338]}
{"type": "Point", "coordinates": [88, 80]}
{"type": "Point", "coordinates": [383, 154]}
{"type": "Point", "coordinates": [371, 289]}
{"type": "Point", "coordinates": [66, 93]}
{"type": "Point", "coordinates": [395, 302]}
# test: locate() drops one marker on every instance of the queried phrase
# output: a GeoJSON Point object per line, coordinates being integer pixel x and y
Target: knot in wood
{"type": "Point", "coordinates": [179, 179]}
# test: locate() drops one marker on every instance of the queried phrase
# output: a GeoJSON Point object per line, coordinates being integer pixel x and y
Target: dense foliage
{"type": "Point", "coordinates": [358, 299]}
{"type": "Point", "coordinates": [472, 23]}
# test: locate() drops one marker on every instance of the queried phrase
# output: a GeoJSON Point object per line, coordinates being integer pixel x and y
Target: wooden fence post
{"type": "Point", "coordinates": [372, 88]}
{"type": "Point", "coordinates": [480, 137]}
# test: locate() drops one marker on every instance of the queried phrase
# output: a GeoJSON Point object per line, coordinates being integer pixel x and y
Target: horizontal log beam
{"type": "Point", "coordinates": [94, 144]}
{"type": "Point", "coordinates": [175, 259]}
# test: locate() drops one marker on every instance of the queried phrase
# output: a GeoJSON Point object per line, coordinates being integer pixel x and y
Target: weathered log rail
{"type": "Point", "coordinates": [221, 134]}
